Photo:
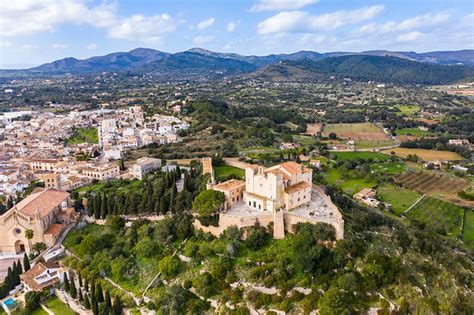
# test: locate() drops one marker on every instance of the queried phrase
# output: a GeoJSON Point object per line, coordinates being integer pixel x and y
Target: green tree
{"type": "Point", "coordinates": [169, 266]}
{"type": "Point", "coordinates": [208, 202]}
{"type": "Point", "coordinates": [72, 288]}
{"type": "Point", "coordinates": [26, 262]}
{"type": "Point", "coordinates": [99, 295]}
{"type": "Point", "coordinates": [87, 302]}
{"type": "Point", "coordinates": [117, 308]}
{"type": "Point", "coordinates": [66, 283]}
{"type": "Point", "coordinates": [108, 300]}
{"type": "Point", "coordinates": [29, 234]}
{"type": "Point", "coordinates": [32, 300]}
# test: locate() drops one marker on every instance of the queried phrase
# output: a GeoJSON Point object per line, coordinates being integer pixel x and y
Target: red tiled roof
{"type": "Point", "coordinates": [44, 202]}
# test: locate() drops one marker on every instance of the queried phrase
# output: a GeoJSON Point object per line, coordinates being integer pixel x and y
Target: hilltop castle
{"type": "Point", "coordinates": [282, 194]}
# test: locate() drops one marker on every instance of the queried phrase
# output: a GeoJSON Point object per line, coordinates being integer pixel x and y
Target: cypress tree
{"type": "Point", "coordinates": [86, 284]}
{"type": "Point", "coordinates": [117, 308]}
{"type": "Point", "coordinates": [18, 265]}
{"type": "Point", "coordinates": [95, 305]}
{"type": "Point", "coordinates": [66, 283]}
{"type": "Point", "coordinates": [99, 294]}
{"type": "Point", "coordinates": [9, 281]}
{"type": "Point", "coordinates": [80, 297]}
{"type": "Point", "coordinates": [103, 207]}
{"type": "Point", "coordinates": [73, 291]}
{"type": "Point", "coordinates": [79, 278]}
{"type": "Point", "coordinates": [97, 207]}
{"type": "Point", "coordinates": [90, 206]}
{"type": "Point", "coordinates": [87, 302]}
{"type": "Point", "coordinates": [26, 262]}
{"type": "Point", "coordinates": [108, 301]}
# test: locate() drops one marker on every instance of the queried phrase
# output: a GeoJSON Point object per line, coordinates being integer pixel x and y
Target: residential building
{"type": "Point", "coordinates": [143, 166]}
{"type": "Point", "coordinates": [42, 275]}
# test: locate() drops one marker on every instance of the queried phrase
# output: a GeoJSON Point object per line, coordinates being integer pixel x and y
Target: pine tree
{"type": "Point", "coordinates": [117, 308]}
{"type": "Point", "coordinates": [87, 302]}
{"type": "Point", "coordinates": [108, 301]}
{"type": "Point", "coordinates": [72, 288]}
{"type": "Point", "coordinates": [26, 262]}
{"type": "Point", "coordinates": [66, 283]}
{"type": "Point", "coordinates": [99, 295]}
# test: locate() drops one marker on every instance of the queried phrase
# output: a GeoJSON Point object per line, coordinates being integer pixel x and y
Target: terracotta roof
{"type": "Point", "coordinates": [44, 201]}
{"type": "Point", "coordinates": [229, 185]}
{"type": "Point", "coordinates": [54, 229]}
{"type": "Point", "coordinates": [297, 187]}
{"type": "Point", "coordinates": [294, 168]}
{"type": "Point", "coordinates": [29, 277]}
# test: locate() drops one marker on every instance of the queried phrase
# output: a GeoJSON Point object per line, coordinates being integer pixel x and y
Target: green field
{"type": "Point", "coordinates": [439, 215]}
{"type": "Point", "coordinates": [400, 198]}
{"type": "Point", "coordinates": [468, 233]}
{"type": "Point", "coordinates": [341, 178]}
{"type": "Point", "coordinates": [388, 168]}
{"type": "Point", "coordinates": [367, 144]}
{"type": "Point", "coordinates": [342, 156]}
{"type": "Point", "coordinates": [84, 135]}
{"type": "Point", "coordinates": [414, 132]}
{"type": "Point", "coordinates": [58, 307]}
{"type": "Point", "coordinates": [408, 110]}
{"type": "Point", "coordinates": [223, 172]}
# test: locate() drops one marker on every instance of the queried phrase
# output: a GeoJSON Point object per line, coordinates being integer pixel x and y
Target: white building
{"type": "Point", "coordinates": [143, 166]}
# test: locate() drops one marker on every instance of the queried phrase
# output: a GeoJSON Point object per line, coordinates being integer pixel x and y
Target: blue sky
{"type": "Point", "coordinates": [38, 31]}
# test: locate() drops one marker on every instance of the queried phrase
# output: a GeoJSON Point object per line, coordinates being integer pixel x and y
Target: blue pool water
{"type": "Point", "coordinates": [9, 303]}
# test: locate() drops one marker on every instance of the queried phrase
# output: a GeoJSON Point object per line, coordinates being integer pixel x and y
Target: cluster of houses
{"type": "Point", "coordinates": [33, 146]}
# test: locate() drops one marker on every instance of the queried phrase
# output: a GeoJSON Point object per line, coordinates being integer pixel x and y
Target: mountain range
{"type": "Point", "coordinates": [196, 63]}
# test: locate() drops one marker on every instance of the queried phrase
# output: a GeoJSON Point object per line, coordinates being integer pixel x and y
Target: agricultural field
{"type": "Point", "coordinates": [408, 110]}
{"type": "Point", "coordinates": [445, 218]}
{"type": "Point", "coordinates": [400, 198]}
{"type": "Point", "coordinates": [357, 131]}
{"type": "Point", "coordinates": [415, 132]}
{"type": "Point", "coordinates": [84, 135]}
{"type": "Point", "coordinates": [468, 230]}
{"type": "Point", "coordinates": [342, 156]}
{"type": "Point", "coordinates": [426, 155]}
{"type": "Point", "coordinates": [313, 129]}
{"type": "Point", "coordinates": [431, 183]}
{"type": "Point", "coordinates": [222, 172]}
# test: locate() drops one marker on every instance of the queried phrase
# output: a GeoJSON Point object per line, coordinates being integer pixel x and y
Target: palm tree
{"type": "Point", "coordinates": [29, 236]}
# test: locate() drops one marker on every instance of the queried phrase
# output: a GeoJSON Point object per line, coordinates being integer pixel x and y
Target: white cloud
{"type": "Point", "coordinates": [60, 46]}
{"type": "Point", "coordinates": [417, 22]}
{"type": "Point", "coordinates": [409, 37]}
{"type": "Point", "coordinates": [232, 26]}
{"type": "Point", "coordinates": [276, 5]}
{"type": "Point", "coordinates": [25, 17]}
{"type": "Point", "coordinates": [202, 39]}
{"type": "Point", "coordinates": [142, 28]}
{"type": "Point", "coordinates": [303, 22]}
{"type": "Point", "coordinates": [206, 23]}
{"type": "Point", "coordinates": [91, 46]}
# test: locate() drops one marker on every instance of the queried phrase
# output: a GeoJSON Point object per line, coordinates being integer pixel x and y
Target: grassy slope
{"type": "Point", "coordinates": [400, 198]}
{"type": "Point", "coordinates": [468, 235]}
{"type": "Point", "coordinates": [223, 171]}
{"type": "Point", "coordinates": [58, 307]}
